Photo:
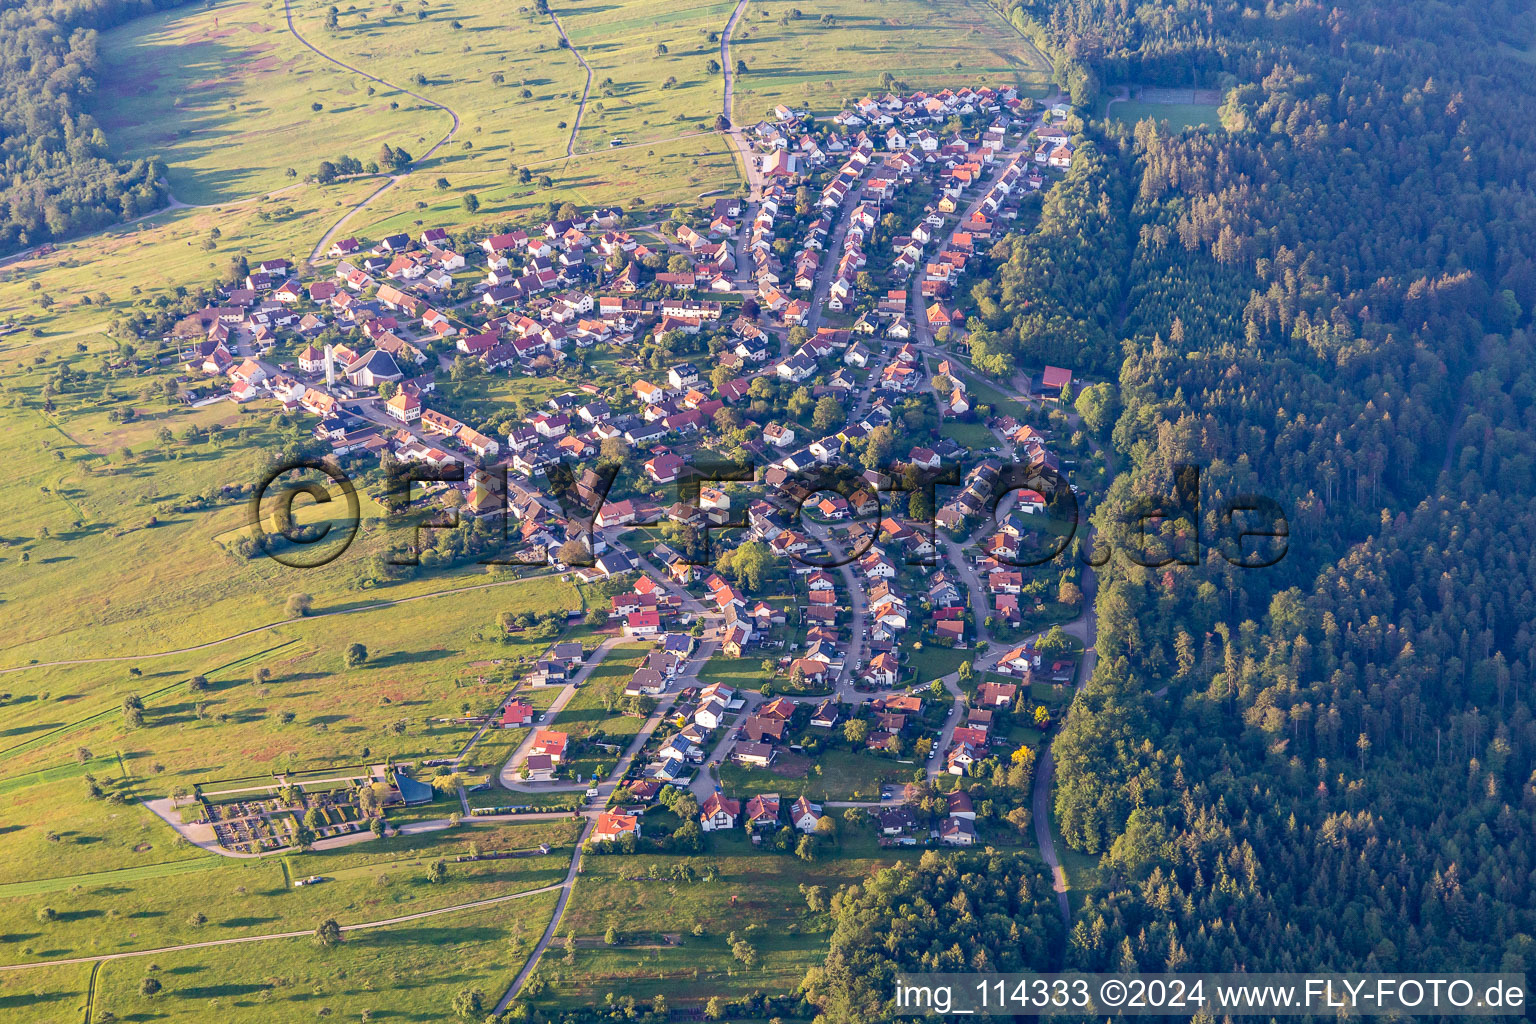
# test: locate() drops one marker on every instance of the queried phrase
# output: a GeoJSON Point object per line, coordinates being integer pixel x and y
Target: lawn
{"type": "Point", "coordinates": [407, 972]}
{"type": "Point", "coordinates": [595, 706]}
{"type": "Point", "coordinates": [1002, 403]}
{"type": "Point", "coordinates": [1181, 108]}
{"type": "Point", "coordinates": [973, 436]}
{"type": "Point", "coordinates": [1178, 115]}
{"type": "Point", "coordinates": [737, 673]}
{"type": "Point", "coordinates": [836, 774]}
{"type": "Point", "coordinates": [931, 661]}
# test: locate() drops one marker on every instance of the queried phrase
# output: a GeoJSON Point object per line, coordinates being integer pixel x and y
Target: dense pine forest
{"type": "Point", "coordinates": [1330, 763]}
{"type": "Point", "coordinates": [1326, 301]}
{"type": "Point", "coordinates": [59, 176]}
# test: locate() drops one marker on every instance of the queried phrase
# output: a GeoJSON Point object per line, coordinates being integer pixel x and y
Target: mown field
{"type": "Point", "coordinates": [1177, 115]}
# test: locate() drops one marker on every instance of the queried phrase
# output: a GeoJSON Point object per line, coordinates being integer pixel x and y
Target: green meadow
{"type": "Point", "coordinates": [120, 567]}
{"type": "Point", "coordinates": [225, 96]}
{"type": "Point", "coordinates": [45, 995]}
{"type": "Point", "coordinates": [1177, 115]}
{"type": "Point", "coordinates": [650, 79]}
{"type": "Point", "coordinates": [755, 896]}
{"type": "Point", "coordinates": [406, 972]}
{"type": "Point", "coordinates": [139, 909]}
{"type": "Point", "coordinates": [809, 62]}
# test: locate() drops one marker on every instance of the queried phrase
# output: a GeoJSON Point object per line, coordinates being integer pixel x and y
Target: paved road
{"type": "Point", "coordinates": [330, 233]}
{"type": "Point", "coordinates": [853, 657]}
{"type": "Point", "coordinates": [509, 777]}
{"type": "Point", "coordinates": [554, 921]}
{"type": "Point", "coordinates": [923, 335]}
{"type": "Point", "coordinates": [703, 782]}
{"type": "Point", "coordinates": [738, 138]}
{"type": "Point", "coordinates": [581, 108]}
{"type": "Point", "coordinates": [833, 256]}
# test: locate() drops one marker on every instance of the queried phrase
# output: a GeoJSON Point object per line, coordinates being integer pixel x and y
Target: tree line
{"type": "Point", "coordinates": [58, 176]}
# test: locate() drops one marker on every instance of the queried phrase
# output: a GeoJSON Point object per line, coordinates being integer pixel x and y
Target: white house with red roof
{"type": "Point", "coordinates": [719, 813]}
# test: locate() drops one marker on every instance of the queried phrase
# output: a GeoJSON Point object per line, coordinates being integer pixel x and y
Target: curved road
{"type": "Point", "coordinates": [325, 239]}
{"type": "Point", "coordinates": [581, 108]}
{"type": "Point", "coordinates": [554, 921]}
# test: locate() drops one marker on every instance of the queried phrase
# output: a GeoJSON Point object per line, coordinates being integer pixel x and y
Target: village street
{"type": "Point", "coordinates": [750, 167]}
{"type": "Point", "coordinates": [509, 777]}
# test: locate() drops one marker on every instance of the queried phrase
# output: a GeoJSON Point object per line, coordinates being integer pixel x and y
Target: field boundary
{"type": "Point", "coordinates": [39, 886]}
{"type": "Point", "coordinates": [239, 940]}
{"type": "Point", "coordinates": [26, 745]}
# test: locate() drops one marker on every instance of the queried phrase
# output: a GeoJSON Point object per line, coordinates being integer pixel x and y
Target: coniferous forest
{"type": "Point", "coordinates": [58, 176]}
{"type": "Point", "coordinates": [1329, 763]}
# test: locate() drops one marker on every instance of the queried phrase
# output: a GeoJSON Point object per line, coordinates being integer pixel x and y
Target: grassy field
{"type": "Point", "coordinates": [408, 972]}
{"type": "Point", "coordinates": [928, 44]}
{"type": "Point", "coordinates": [45, 995]}
{"type": "Point", "coordinates": [223, 95]}
{"type": "Point", "coordinates": [88, 836]}
{"type": "Point", "coordinates": [755, 894]}
{"type": "Point", "coordinates": [588, 710]}
{"type": "Point", "coordinates": [842, 775]}
{"type": "Point", "coordinates": [115, 543]}
{"type": "Point", "coordinates": [1178, 115]}
{"type": "Point", "coordinates": [366, 882]}
{"type": "Point", "coordinates": [427, 659]}
{"type": "Point", "coordinates": [499, 67]}
{"type": "Point", "coordinates": [1181, 108]}
{"type": "Point", "coordinates": [640, 178]}
{"type": "Point", "coordinates": [738, 673]}
{"type": "Point", "coordinates": [648, 60]}
{"type": "Point", "coordinates": [154, 255]}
